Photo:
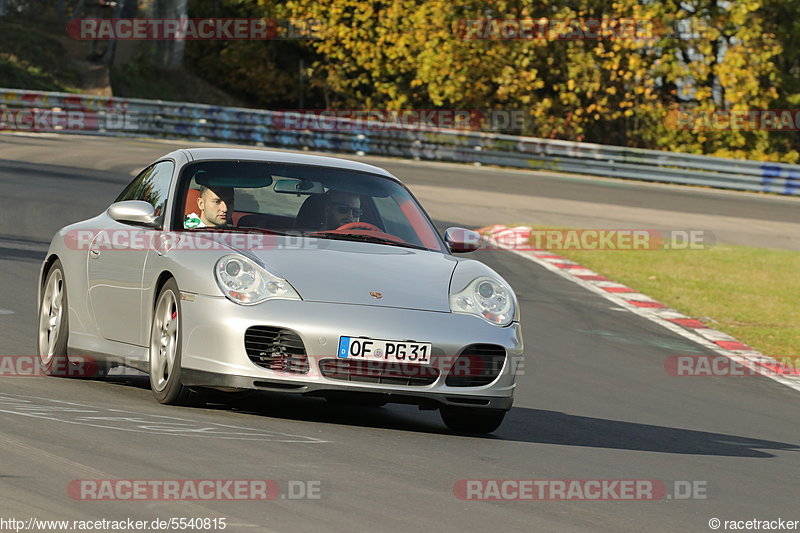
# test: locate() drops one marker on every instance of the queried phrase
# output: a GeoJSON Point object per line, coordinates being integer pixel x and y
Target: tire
{"type": "Point", "coordinates": [53, 330]}
{"type": "Point", "coordinates": [166, 341]}
{"type": "Point", "coordinates": [472, 419]}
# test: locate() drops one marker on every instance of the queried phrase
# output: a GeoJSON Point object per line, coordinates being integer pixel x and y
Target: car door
{"type": "Point", "coordinates": [117, 257]}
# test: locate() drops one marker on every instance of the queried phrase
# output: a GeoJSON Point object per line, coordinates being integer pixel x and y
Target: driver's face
{"type": "Point", "coordinates": [216, 206]}
{"type": "Point", "coordinates": [342, 208]}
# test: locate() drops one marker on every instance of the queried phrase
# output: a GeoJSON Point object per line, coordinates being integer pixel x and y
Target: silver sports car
{"type": "Point", "coordinates": [236, 270]}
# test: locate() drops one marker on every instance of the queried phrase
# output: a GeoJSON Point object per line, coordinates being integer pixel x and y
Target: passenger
{"type": "Point", "coordinates": [216, 208]}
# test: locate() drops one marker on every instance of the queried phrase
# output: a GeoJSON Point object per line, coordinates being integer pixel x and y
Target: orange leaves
{"type": "Point", "coordinates": [616, 88]}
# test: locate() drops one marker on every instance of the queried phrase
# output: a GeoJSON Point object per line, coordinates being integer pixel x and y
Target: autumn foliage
{"type": "Point", "coordinates": [615, 87]}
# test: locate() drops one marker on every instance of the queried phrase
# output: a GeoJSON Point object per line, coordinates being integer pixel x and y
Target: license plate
{"type": "Point", "coordinates": [359, 348]}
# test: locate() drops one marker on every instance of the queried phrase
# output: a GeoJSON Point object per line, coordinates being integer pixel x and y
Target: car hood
{"type": "Point", "coordinates": [326, 270]}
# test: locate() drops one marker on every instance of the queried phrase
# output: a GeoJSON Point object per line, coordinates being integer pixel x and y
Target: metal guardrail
{"type": "Point", "coordinates": [22, 110]}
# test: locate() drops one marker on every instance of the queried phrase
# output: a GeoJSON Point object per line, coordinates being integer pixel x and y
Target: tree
{"type": "Point", "coordinates": [621, 86]}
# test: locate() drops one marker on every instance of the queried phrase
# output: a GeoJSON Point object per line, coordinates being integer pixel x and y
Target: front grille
{"type": "Point", "coordinates": [387, 373]}
{"type": "Point", "coordinates": [277, 349]}
{"type": "Point", "coordinates": [478, 365]}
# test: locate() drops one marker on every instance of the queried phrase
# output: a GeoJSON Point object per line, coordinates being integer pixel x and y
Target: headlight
{"type": "Point", "coordinates": [487, 298]}
{"type": "Point", "coordinates": [244, 282]}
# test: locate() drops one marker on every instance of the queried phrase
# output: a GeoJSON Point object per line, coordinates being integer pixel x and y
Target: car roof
{"type": "Point", "coordinates": [215, 154]}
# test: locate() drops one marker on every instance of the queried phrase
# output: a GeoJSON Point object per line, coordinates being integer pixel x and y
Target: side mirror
{"type": "Point", "coordinates": [461, 240]}
{"type": "Point", "coordinates": [133, 212]}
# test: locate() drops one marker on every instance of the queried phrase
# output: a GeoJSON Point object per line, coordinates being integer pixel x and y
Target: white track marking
{"type": "Point", "coordinates": [124, 420]}
{"type": "Point", "coordinates": [748, 358]}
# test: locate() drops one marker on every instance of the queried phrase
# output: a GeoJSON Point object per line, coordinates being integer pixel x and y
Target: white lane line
{"type": "Point", "coordinates": [124, 420]}
{"type": "Point", "coordinates": [6, 312]}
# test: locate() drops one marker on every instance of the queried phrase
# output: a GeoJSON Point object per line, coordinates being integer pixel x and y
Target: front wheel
{"type": "Point", "coordinates": [165, 348]}
{"type": "Point", "coordinates": [53, 323]}
{"type": "Point", "coordinates": [472, 419]}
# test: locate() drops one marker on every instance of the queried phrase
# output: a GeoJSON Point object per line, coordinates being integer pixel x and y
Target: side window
{"type": "Point", "coordinates": [152, 186]}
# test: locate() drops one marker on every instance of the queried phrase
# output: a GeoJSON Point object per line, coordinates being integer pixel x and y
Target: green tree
{"type": "Point", "coordinates": [265, 73]}
{"type": "Point", "coordinates": [699, 55]}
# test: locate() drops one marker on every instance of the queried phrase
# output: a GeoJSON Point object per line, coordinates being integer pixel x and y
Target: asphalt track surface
{"type": "Point", "coordinates": [594, 401]}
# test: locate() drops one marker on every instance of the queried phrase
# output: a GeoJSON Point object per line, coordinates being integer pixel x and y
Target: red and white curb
{"type": "Point", "coordinates": [511, 238]}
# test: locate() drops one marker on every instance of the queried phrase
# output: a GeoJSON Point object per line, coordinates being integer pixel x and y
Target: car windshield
{"type": "Point", "coordinates": [323, 202]}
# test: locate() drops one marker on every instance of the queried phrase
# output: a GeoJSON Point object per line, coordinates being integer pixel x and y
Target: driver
{"type": "Point", "coordinates": [341, 208]}
{"type": "Point", "coordinates": [216, 207]}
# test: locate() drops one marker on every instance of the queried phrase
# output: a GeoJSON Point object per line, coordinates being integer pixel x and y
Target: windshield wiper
{"type": "Point", "coordinates": [365, 238]}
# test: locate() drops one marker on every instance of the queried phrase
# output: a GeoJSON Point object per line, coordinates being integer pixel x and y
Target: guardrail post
{"type": "Point", "coordinates": [29, 111]}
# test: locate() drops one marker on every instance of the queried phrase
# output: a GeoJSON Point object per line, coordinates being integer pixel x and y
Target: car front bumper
{"type": "Point", "coordinates": [214, 354]}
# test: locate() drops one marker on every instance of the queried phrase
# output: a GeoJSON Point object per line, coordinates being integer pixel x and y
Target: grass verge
{"type": "Point", "coordinates": [31, 58]}
{"type": "Point", "coordinates": [140, 79]}
{"type": "Point", "coordinates": [750, 293]}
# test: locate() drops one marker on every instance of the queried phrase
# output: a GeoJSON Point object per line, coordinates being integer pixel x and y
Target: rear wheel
{"type": "Point", "coordinates": [53, 323]}
{"type": "Point", "coordinates": [165, 348]}
{"type": "Point", "coordinates": [472, 419]}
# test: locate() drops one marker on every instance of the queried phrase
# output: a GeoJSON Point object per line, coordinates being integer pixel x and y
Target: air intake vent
{"type": "Point", "coordinates": [276, 349]}
{"type": "Point", "coordinates": [388, 373]}
{"type": "Point", "coordinates": [478, 365]}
